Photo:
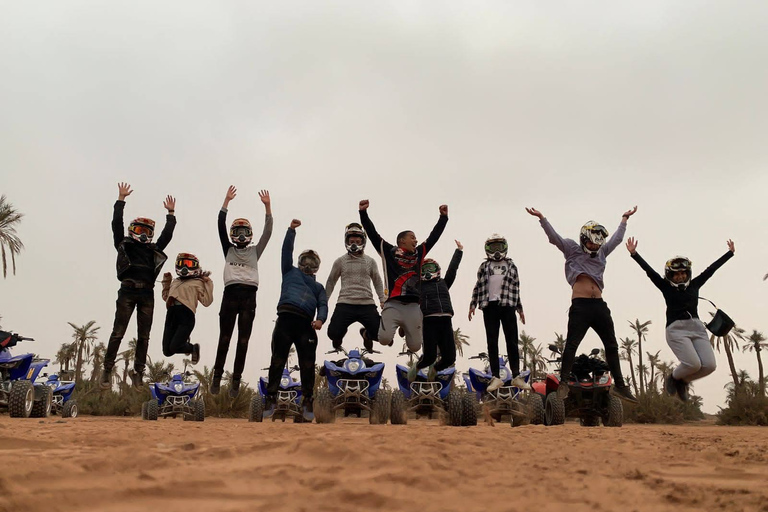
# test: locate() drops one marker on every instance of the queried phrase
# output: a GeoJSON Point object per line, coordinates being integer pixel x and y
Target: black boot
{"type": "Point", "coordinates": [234, 388]}
{"type": "Point", "coordinates": [215, 384]}
{"type": "Point", "coordinates": [195, 353]}
{"type": "Point", "coordinates": [670, 385]}
{"type": "Point", "coordinates": [105, 382]}
{"type": "Point", "coordinates": [682, 389]}
{"type": "Point", "coordinates": [137, 378]}
{"type": "Point", "coordinates": [367, 342]}
{"type": "Point", "coordinates": [624, 393]}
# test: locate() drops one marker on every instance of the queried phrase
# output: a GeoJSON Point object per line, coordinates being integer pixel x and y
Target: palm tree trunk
{"type": "Point", "coordinates": [640, 355]}
{"type": "Point", "coordinates": [761, 377]}
{"type": "Point", "coordinates": [632, 372]}
{"type": "Point", "coordinates": [734, 372]}
{"type": "Point", "coordinates": [79, 363]}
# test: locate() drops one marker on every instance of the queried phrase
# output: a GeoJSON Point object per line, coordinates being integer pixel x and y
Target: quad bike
{"type": "Point", "coordinates": [63, 403]}
{"type": "Point", "coordinates": [505, 401]}
{"type": "Point", "coordinates": [589, 394]}
{"type": "Point", "coordinates": [427, 397]}
{"type": "Point", "coordinates": [174, 398]}
{"type": "Point", "coordinates": [18, 391]}
{"type": "Point", "coordinates": [288, 399]}
{"type": "Point", "coordinates": [353, 387]}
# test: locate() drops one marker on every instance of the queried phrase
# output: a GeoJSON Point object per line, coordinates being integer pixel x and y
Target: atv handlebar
{"type": "Point", "coordinates": [22, 338]}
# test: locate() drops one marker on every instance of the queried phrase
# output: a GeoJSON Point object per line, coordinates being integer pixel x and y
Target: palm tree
{"type": "Point", "coordinates": [84, 336]}
{"type": "Point", "coordinates": [526, 345]}
{"type": "Point", "coordinates": [159, 371]}
{"type": "Point", "coordinates": [757, 343]}
{"type": "Point", "coordinates": [460, 340]}
{"type": "Point", "coordinates": [641, 329]}
{"type": "Point", "coordinates": [97, 360]}
{"type": "Point", "coordinates": [559, 342]}
{"type": "Point", "coordinates": [628, 345]}
{"type": "Point", "coordinates": [729, 343]}
{"type": "Point", "coordinates": [64, 356]}
{"type": "Point", "coordinates": [538, 362]}
{"type": "Point", "coordinates": [653, 362]}
{"type": "Point", "coordinates": [742, 380]}
{"type": "Point", "coordinates": [9, 218]}
{"type": "Point", "coordinates": [642, 372]}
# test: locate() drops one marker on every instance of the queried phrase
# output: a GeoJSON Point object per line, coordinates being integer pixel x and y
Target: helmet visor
{"type": "Point", "coordinates": [238, 231]}
{"type": "Point", "coordinates": [430, 269]}
{"type": "Point", "coordinates": [187, 263]}
{"type": "Point", "coordinates": [141, 229]}
{"type": "Point", "coordinates": [499, 246]}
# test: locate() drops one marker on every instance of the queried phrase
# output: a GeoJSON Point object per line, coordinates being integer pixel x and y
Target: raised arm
{"type": "Point", "coordinates": [450, 275]}
{"type": "Point", "coordinates": [267, 232]}
{"type": "Point", "coordinates": [434, 236]}
{"type": "Point", "coordinates": [370, 230]}
{"type": "Point", "coordinates": [286, 262]}
{"type": "Point", "coordinates": [330, 284]}
{"type": "Point", "coordinates": [618, 235]}
{"type": "Point", "coordinates": [552, 235]}
{"type": "Point", "coordinates": [226, 245]}
{"type": "Point", "coordinates": [170, 223]}
{"type": "Point", "coordinates": [652, 274]}
{"type": "Point", "coordinates": [710, 270]}
{"type": "Point", "coordinates": [118, 229]}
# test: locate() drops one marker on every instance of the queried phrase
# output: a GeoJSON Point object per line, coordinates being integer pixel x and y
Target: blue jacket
{"type": "Point", "coordinates": [300, 290]}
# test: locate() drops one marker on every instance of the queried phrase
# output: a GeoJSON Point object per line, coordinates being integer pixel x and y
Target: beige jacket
{"type": "Point", "coordinates": [188, 291]}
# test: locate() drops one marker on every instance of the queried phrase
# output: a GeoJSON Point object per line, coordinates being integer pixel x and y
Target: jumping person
{"type": "Point", "coordinates": [355, 304]}
{"type": "Point", "coordinates": [192, 285]}
{"type": "Point", "coordinates": [584, 268]}
{"type": "Point", "coordinates": [686, 335]}
{"type": "Point", "coordinates": [437, 310]}
{"type": "Point", "coordinates": [300, 297]}
{"type": "Point", "coordinates": [497, 294]}
{"type": "Point", "coordinates": [241, 282]}
{"type": "Point", "coordinates": [138, 264]}
{"type": "Point", "coordinates": [402, 271]}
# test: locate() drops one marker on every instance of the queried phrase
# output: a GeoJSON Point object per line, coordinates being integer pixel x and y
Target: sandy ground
{"type": "Point", "coordinates": [126, 464]}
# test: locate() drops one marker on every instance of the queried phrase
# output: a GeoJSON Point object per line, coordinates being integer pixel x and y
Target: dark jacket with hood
{"type": "Point", "coordinates": [435, 298]}
{"type": "Point", "coordinates": [139, 263]}
{"type": "Point", "coordinates": [300, 293]}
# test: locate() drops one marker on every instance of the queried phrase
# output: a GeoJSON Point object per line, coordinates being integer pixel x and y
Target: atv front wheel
{"type": "Point", "coordinates": [70, 409]}
{"type": "Point", "coordinates": [21, 399]}
{"type": "Point", "coordinates": [398, 413]}
{"type": "Point", "coordinates": [455, 408]}
{"type": "Point", "coordinates": [469, 409]}
{"type": "Point", "coordinates": [536, 409]}
{"type": "Point", "coordinates": [379, 408]}
{"type": "Point", "coordinates": [143, 410]}
{"type": "Point", "coordinates": [554, 410]}
{"type": "Point", "coordinates": [324, 412]}
{"type": "Point", "coordinates": [256, 411]}
{"type": "Point", "coordinates": [199, 407]}
{"type": "Point", "coordinates": [41, 408]}
{"type": "Point", "coordinates": [614, 417]}
{"type": "Point", "coordinates": [153, 410]}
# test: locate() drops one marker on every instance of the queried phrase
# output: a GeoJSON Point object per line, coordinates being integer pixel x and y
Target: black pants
{"type": "Point", "coordinates": [293, 329]}
{"type": "Point", "coordinates": [128, 299]}
{"type": "Point", "coordinates": [238, 305]}
{"type": "Point", "coordinates": [594, 313]}
{"type": "Point", "coordinates": [494, 316]}
{"type": "Point", "coordinates": [346, 314]}
{"type": "Point", "coordinates": [179, 322]}
{"type": "Point", "coordinates": [438, 334]}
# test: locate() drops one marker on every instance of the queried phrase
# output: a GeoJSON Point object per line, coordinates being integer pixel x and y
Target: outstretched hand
{"type": "Point", "coordinates": [535, 213]}
{"type": "Point", "coordinates": [364, 204]}
{"type": "Point", "coordinates": [731, 246]}
{"type": "Point", "coordinates": [458, 245]}
{"type": "Point", "coordinates": [443, 209]}
{"type": "Point", "coordinates": [632, 245]}
{"type": "Point", "coordinates": [231, 193]}
{"type": "Point", "coordinates": [295, 223]}
{"type": "Point", "coordinates": [264, 196]}
{"type": "Point", "coordinates": [123, 191]}
{"type": "Point", "coordinates": [169, 203]}
{"type": "Point", "coordinates": [629, 213]}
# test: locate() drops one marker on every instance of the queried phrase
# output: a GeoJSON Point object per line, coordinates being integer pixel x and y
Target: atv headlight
{"type": "Point", "coordinates": [178, 387]}
{"type": "Point", "coordinates": [285, 382]}
{"type": "Point", "coordinates": [604, 379]}
{"type": "Point", "coordinates": [352, 366]}
{"type": "Point", "coordinates": [335, 373]}
{"type": "Point", "coordinates": [53, 385]}
{"type": "Point", "coordinates": [504, 374]}
{"type": "Point", "coordinates": [370, 375]}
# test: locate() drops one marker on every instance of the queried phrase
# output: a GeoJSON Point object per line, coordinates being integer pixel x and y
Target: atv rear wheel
{"type": "Point", "coordinates": [70, 409]}
{"type": "Point", "coordinates": [554, 410]}
{"type": "Point", "coordinates": [614, 417]}
{"type": "Point", "coordinates": [323, 406]}
{"type": "Point", "coordinates": [153, 410]}
{"type": "Point", "coordinates": [536, 409]}
{"type": "Point", "coordinates": [398, 413]}
{"type": "Point", "coordinates": [590, 420]}
{"type": "Point", "coordinates": [21, 399]}
{"type": "Point", "coordinates": [41, 408]}
{"type": "Point", "coordinates": [143, 410]}
{"type": "Point", "coordinates": [469, 409]}
{"type": "Point", "coordinates": [256, 411]}
{"type": "Point", "coordinates": [455, 408]}
{"type": "Point", "coordinates": [199, 407]}
{"type": "Point", "coordinates": [379, 408]}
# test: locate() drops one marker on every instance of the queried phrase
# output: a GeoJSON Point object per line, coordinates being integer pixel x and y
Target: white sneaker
{"type": "Point", "coordinates": [495, 384]}
{"type": "Point", "coordinates": [519, 383]}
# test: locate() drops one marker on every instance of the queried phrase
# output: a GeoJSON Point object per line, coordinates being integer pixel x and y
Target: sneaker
{"type": "Point", "coordinates": [336, 344]}
{"type": "Point", "coordinates": [682, 389]}
{"type": "Point", "coordinates": [624, 393]}
{"type": "Point", "coordinates": [105, 382]}
{"type": "Point", "coordinates": [562, 390]}
{"type": "Point", "coordinates": [520, 383]}
{"type": "Point", "coordinates": [195, 353]}
{"type": "Point", "coordinates": [234, 388]}
{"type": "Point", "coordinates": [432, 373]}
{"type": "Point", "coordinates": [308, 410]}
{"type": "Point", "coordinates": [495, 384]}
{"type": "Point", "coordinates": [137, 378]}
{"type": "Point", "coordinates": [367, 342]}
{"type": "Point", "coordinates": [215, 385]}
{"type": "Point", "coordinates": [270, 404]}
{"type": "Point", "coordinates": [413, 373]}
{"type": "Point", "coordinates": [670, 385]}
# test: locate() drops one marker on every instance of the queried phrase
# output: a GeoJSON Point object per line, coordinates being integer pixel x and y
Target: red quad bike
{"type": "Point", "coordinates": [589, 397]}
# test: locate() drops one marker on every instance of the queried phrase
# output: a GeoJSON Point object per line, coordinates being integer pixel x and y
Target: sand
{"type": "Point", "coordinates": [126, 464]}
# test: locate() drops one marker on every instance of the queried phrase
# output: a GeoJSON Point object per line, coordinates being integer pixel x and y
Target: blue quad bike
{"type": "Point", "coordinates": [177, 397]}
{"type": "Point", "coordinates": [505, 401]}
{"type": "Point", "coordinates": [288, 398]}
{"type": "Point", "coordinates": [354, 387]}
{"type": "Point", "coordinates": [18, 391]}
{"type": "Point", "coordinates": [427, 397]}
{"type": "Point", "coordinates": [63, 403]}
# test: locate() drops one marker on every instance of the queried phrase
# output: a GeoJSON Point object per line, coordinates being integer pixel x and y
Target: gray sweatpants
{"type": "Point", "coordinates": [397, 314]}
{"type": "Point", "coordinates": [689, 341]}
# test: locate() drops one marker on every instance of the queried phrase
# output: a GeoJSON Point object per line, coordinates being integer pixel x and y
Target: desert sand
{"type": "Point", "coordinates": [126, 464]}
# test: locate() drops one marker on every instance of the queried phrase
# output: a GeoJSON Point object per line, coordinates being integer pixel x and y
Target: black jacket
{"type": "Point", "coordinates": [435, 298]}
{"type": "Point", "coordinates": [138, 262]}
{"type": "Point", "coordinates": [681, 304]}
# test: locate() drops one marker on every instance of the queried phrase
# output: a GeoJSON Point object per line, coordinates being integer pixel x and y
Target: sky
{"type": "Point", "coordinates": [580, 109]}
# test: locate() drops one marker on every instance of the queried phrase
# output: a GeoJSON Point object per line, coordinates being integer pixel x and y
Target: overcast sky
{"type": "Point", "coordinates": [580, 109]}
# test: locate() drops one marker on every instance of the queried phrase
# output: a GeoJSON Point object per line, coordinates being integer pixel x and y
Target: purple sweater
{"type": "Point", "coordinates": [577, 261]}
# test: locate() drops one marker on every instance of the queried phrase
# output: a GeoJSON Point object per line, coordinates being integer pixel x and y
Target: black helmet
{"type": "Point", "coordinates": [678, 264]}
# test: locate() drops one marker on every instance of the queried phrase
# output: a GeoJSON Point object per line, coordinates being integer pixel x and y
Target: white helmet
{"type": "Point", "coordinates": [496, 247]}
{"type": "Point", "coordinates": [354, 230]}
{"type": "Point", "coordinates": [592, 232]}
{"type": "Point", "coordinates": [309, 262]}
